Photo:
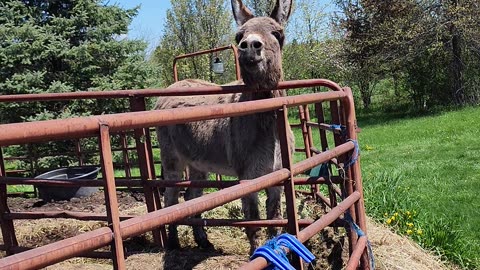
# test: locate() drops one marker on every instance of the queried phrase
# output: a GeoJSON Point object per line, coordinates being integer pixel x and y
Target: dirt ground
{"type": "Point", "coordinates": [231, 246]}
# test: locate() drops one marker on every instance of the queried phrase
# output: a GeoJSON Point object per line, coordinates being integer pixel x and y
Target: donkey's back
{"type": "Point", "coordinates": [203, 145]}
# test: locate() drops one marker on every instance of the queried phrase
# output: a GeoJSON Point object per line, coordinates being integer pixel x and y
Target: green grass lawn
{"type": "Point", "coordinates": [421, 177]}
{"type": "Point", "coordinates": [430, 165]}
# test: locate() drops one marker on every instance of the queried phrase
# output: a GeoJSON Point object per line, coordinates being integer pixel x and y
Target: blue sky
{"type": "Point", "coordinates": [148, 24]}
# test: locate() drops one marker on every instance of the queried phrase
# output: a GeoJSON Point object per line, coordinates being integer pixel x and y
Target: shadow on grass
{"type": "Point", "coordinates": [393, 112]}
{"type": "Point", "coordinates": [187, 258]}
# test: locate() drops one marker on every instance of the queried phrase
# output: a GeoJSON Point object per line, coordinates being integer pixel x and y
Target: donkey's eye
{"type": "Point", "coordinates": [278, 35]}
{"type": "Point", "coordinates": [238, 37]}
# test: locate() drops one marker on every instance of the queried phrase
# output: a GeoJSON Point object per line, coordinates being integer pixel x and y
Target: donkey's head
{"type": "Point", "coordinates": [260, 41]}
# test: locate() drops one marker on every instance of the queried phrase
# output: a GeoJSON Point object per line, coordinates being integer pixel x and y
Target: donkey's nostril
{"type": "Point", "coordinates": [257, 44]}
{"type": "Point", "coordinates": [243, 45]}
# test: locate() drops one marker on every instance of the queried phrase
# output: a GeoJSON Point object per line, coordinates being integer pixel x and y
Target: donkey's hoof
{"type": "Point", "coordinates": [205, 244]}
{"type": "Point", "coordinates": [172, 244]}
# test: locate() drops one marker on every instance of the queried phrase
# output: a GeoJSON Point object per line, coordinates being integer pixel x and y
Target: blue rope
{"type": "Point", "coordinates": [360, 233]}
{"type": "Point", "coordinates": [343, 129]}
{"type": "Point", "coordinates": [356, 154]}
{"type": "Point", "coordinates": [343, 132]}
{"type": "Point", "coordinates": [272, 244]}
{"type": "Point", "coordinates": [274, 252]}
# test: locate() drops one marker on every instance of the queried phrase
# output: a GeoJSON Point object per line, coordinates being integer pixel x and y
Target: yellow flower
{"type": "Point", "coordinates": [409, 232]}
{"type": "Point", "coordinates": [419, 232]}
{"type": "Point", "coordinates": [393, 218]}
{"type": "Point", "coordinates": [408, 213]}
{"type": "Point", "coordinates": [396, 214]}
{"type": "Point", "coordinates": [385, 215]}
{"type": "Point", "coordinates": [409, 224]}
{"type": "Point", "coordinates": [368, 147]}
{"type": "Point", "coordinates": [389, 221]}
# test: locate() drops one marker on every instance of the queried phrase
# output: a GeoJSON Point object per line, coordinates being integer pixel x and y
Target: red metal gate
{"type": "Point", "coordinates": [342, 113]}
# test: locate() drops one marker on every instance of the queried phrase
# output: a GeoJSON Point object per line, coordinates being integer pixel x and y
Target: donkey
{"type": "Point", "coordinates": [246, 146]}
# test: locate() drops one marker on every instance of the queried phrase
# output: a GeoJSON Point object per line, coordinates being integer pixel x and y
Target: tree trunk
{"type": "Point", "coordinates": [457, 67]}
{"type": "Point", "coordinates": [366, 94]}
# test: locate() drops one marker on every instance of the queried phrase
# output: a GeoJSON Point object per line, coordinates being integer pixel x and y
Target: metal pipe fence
{"type": "Point", "coordinates": [341, 105]}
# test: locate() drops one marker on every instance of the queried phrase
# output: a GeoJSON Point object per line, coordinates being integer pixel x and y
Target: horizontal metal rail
{"type": "Point", "coordinates": [173, 91]}
{"type": "Point", "coordinates": [310, 231]}
{"type": "Point", "coordinates": [80, 127]}
{"type": "Point", "coordinates": [85, 216]}
{"type": "Point", "coordinates": [88, 254]}
{"type": "Point", "coordinates": [232, 47]}
{"type": "Point", "coordinates": [157, 183]}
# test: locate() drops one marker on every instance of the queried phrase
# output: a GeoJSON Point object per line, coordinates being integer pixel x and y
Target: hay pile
{"type": "Point", "coordinates": [231, 246]}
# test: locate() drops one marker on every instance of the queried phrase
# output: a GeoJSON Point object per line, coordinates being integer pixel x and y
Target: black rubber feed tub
{"type": "Point", "coordinates": [49, 193]}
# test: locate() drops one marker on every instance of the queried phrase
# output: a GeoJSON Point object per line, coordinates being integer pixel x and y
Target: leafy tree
{"type": "Point", "coordinates": [64, 46]}
{"type": "Point", "coordinates": [260, 7]}
{"type": "Point", "coordinates": [428, 46]}
{"type": "Point", "coordinates": [312, 51]}
{"type": "Point", "coordinates": [357, 26]}
{"type": "Point", "coordinates": [191, 26]}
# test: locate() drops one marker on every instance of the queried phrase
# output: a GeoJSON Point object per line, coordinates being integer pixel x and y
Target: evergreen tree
{"type": "Point", "coordinates": [64, 46]}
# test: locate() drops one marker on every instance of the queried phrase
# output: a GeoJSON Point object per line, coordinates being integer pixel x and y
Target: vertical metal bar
{"type": "Point", "coordinates": [32, 159]}
{"type": "Point", "coordinates": [348, 186]}
{"type": "Point", "coordinates": [335, 120]}
{"type": "Point", "coordinates": [148, 142]}
{"type": "Point", "coordinates": [237, 63]}
{"type": "Point", "coordinates": [7, 227]}
{"type": "Point", "coordinates": [321, 119]}
{"type": "Point", "coordinates": [355, 173]}
{"type": "Point", "coordinates": [309, 129]}
{"type": "Point", "coordinates": [160, 234]}
{"type": "Point", "coordinates": [175, 71]}
{"type": "Point", "coordinates": [313, 187]}
{"type": "Point", "coordinates": [78, 152]}
{"type": "Point", "coordinates": [287, 162]}
{"type": "Point", "coordinates": [303, 124]}
{"type": "Point", "coordinates": [111, 202]}
{"type": "Point", "coordinates": [324, 143]}
{"type": "Point", "coordinates": [126, 160]}
{"type": "Point", "coordinates": [152, 195]}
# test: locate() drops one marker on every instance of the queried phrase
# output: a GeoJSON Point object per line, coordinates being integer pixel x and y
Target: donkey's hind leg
{"type": "Point", "coordinates": [198, 231]}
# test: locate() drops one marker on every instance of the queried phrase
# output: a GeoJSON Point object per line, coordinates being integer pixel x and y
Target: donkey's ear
{"type": "Point", "coordinates": [241, 13]}
{"type": "Point", "coordinates": [282, 11]}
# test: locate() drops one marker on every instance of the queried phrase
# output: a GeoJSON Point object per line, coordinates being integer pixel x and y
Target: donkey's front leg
{"type": "Point", "coordinates": [250, 211]}
{"type": "Point", "coordinates": [274, 208]}
{"type": "Point", "coordinates": [172, 170]}
{"type": "Point", "coordinates": [198, 231]}
{"type": "Point", "coordinates": [171, 198]}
